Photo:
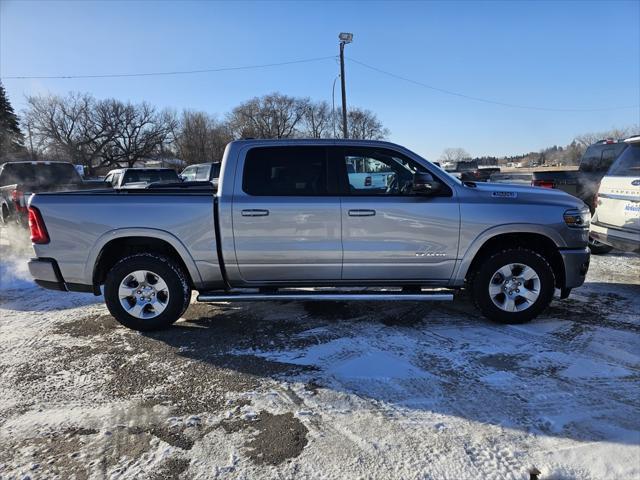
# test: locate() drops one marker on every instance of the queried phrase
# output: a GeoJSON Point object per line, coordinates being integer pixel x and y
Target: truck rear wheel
{"type": "Point", "coordinates": [147, 291]}
{"type": "Point", "coordinates": [513, 286]}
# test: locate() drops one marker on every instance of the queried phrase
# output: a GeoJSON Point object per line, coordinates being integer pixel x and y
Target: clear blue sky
{"type": "Point", "coordinates": [543, 54]}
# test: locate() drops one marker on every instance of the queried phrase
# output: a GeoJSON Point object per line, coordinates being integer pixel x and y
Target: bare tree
{"type": "Point", "coordinates": [76, 126]}
{"type": "Point", "coordinates": [139, 131]}
{"type": "Point", "coordinates": [317, 120]}
{"type": "Point", "coordinates": [271, 116]}
{"type": "Point", "coordinates": [363, 124]}
{"type": "Point", "coordinates": [201, 138]}
{"type": "Point", "coordinates": [454, 155]}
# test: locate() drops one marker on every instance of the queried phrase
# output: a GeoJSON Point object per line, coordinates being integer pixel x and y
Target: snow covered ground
{"type": "Point", "coordinates": [349, 390]}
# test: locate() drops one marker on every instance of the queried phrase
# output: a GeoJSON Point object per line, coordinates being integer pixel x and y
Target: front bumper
{"type": "Point", "coordinates": [46, 273]}
{"type": "Point", "coordinates": [576, 265]}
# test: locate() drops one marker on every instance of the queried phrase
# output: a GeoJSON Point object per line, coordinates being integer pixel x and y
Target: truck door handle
{"type": "Point", "coordinates": [362, 213]}
{"type": "Point", "coordinates": [254, 212]}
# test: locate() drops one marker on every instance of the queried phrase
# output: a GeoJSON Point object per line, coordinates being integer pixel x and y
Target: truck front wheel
{"type": "Point", "coordinates": [513, 286]}
{"type": "Point", "coordinates": [147, 291]}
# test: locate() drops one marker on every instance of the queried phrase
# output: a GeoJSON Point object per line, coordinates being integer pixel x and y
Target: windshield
{"type": "Point", "coordinates": [150, 176]}
{"type": "Point", "coordinates": [39, 173]}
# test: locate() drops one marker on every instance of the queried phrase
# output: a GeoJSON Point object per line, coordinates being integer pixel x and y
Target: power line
{"type": "Point", "coordinates": [177, 72]}
{"type": "Point", "coordinates": [486, 100]}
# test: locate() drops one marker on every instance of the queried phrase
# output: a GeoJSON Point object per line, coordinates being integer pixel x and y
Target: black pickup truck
{"type": "Point", "coordinates": [18, 180]}
{"type": "Point", "coordinates": [584, 182]}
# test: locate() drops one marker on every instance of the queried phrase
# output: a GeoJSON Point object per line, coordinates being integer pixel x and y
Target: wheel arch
{"type": "Point", "coordinates": [118, 244]}
{"type": "Point", "coordinates": [545, 244]}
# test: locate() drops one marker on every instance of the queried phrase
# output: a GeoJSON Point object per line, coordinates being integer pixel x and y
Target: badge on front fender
{"type": "Point", "coordinates": [504, 194]}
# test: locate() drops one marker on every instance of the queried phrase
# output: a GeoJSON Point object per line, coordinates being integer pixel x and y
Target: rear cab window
{"type": "Point", "coordinates": [39, 173]}
{"type": "Point", "coordinates": [598, 158]}
{"type": "Point", "coordinates": [287, 171]}
{"type": "Point", "coordinates": [150, 176]}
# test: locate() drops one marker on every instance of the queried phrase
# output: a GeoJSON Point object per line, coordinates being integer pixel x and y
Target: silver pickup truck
{"type": "Point", "coordinates": [285, 224]}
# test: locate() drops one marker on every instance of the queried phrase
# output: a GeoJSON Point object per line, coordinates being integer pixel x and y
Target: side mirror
{"type": "Point", "coordinates": [424, 183]}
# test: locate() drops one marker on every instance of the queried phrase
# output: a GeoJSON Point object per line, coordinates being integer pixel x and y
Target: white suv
{"type": "Point", "coordinates": [616, 221]}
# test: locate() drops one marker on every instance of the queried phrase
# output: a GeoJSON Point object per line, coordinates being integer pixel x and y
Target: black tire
{"type": "Point", "coordinates": [480, 281]}
{"type": "Point", "coordinates": [5, 216]}
{"type": "Point", "coordinates": [598, 248]}
{"type": "Point", "coordinates": [179, 291]}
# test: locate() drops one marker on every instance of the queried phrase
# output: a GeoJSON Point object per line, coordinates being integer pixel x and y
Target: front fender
{"type": "Point", "coordinates": [464, 262]}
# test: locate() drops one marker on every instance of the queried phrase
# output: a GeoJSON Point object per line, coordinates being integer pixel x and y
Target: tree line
{"type": "Point", "coordinates": [556, 155]}
{"type": "Point", "coordinates": [103, 134]}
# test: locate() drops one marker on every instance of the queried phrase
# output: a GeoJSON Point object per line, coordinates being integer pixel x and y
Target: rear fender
{"type": "Point", "coordinates": [141, 232]}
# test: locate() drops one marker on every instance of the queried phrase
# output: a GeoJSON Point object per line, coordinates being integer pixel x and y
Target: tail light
{"type": "Point", "coordinates": [18, 199]}
{"type": "Point", "coordinates": [543, 183]}
{"type": "Point", "coordinates": [39, 233]}
{"type": "Point", "coordinates": [367, 181]}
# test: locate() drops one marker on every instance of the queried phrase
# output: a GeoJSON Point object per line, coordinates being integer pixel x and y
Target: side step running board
{"type": "Point", "coordinates": [324, 296]}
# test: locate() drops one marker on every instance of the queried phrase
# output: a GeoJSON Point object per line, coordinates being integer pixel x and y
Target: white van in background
{"type": "Point", "coordinates": [616, 220]}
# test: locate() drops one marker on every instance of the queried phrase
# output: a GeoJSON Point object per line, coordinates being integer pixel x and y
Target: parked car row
{"type": "Point", "coordinates": [603, 160]}
{"type": "Point", "coordinates": [18, 180]}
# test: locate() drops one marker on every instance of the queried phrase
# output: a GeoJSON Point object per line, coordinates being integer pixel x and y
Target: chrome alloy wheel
{"type": "Point", "coordinates": [514, 287]}
{"type": "Point", "coordinates": [143, 294]}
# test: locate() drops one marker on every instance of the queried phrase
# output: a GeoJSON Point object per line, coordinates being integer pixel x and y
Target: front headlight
{"type": "Point", "coordinates": [575, 218]}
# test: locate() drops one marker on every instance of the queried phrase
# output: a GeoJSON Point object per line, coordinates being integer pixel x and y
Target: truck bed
{"type": "Point", "coordinates": [82, 223]}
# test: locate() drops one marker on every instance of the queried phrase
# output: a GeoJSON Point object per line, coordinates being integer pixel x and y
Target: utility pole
{"type": "Point", "coordinates": [344, 39]}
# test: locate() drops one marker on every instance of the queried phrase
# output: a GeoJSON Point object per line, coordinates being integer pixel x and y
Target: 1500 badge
{"type": "Point", "coordinates": [504, 194]}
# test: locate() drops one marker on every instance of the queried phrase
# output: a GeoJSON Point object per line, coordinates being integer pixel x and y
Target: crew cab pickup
{"type": "Point", "coordinates": [285, 220]}
{"type": "Point", "coordinates": [18, 180]}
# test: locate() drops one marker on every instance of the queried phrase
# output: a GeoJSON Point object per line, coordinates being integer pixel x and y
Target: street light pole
{"type": "Point", "coordinates": [333, 106]}
{"type": "Point", "coordinates": [344, 39]}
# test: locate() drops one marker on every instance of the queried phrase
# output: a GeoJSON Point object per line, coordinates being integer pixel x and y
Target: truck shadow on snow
{"type": "Point", "coordinates": [572, 373]}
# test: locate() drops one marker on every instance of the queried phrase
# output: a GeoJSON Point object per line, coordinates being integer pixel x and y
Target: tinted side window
{"type": "Point", "coordinates": [286, 171]}
{"type": "Point", "coordinates": [628, 165]}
